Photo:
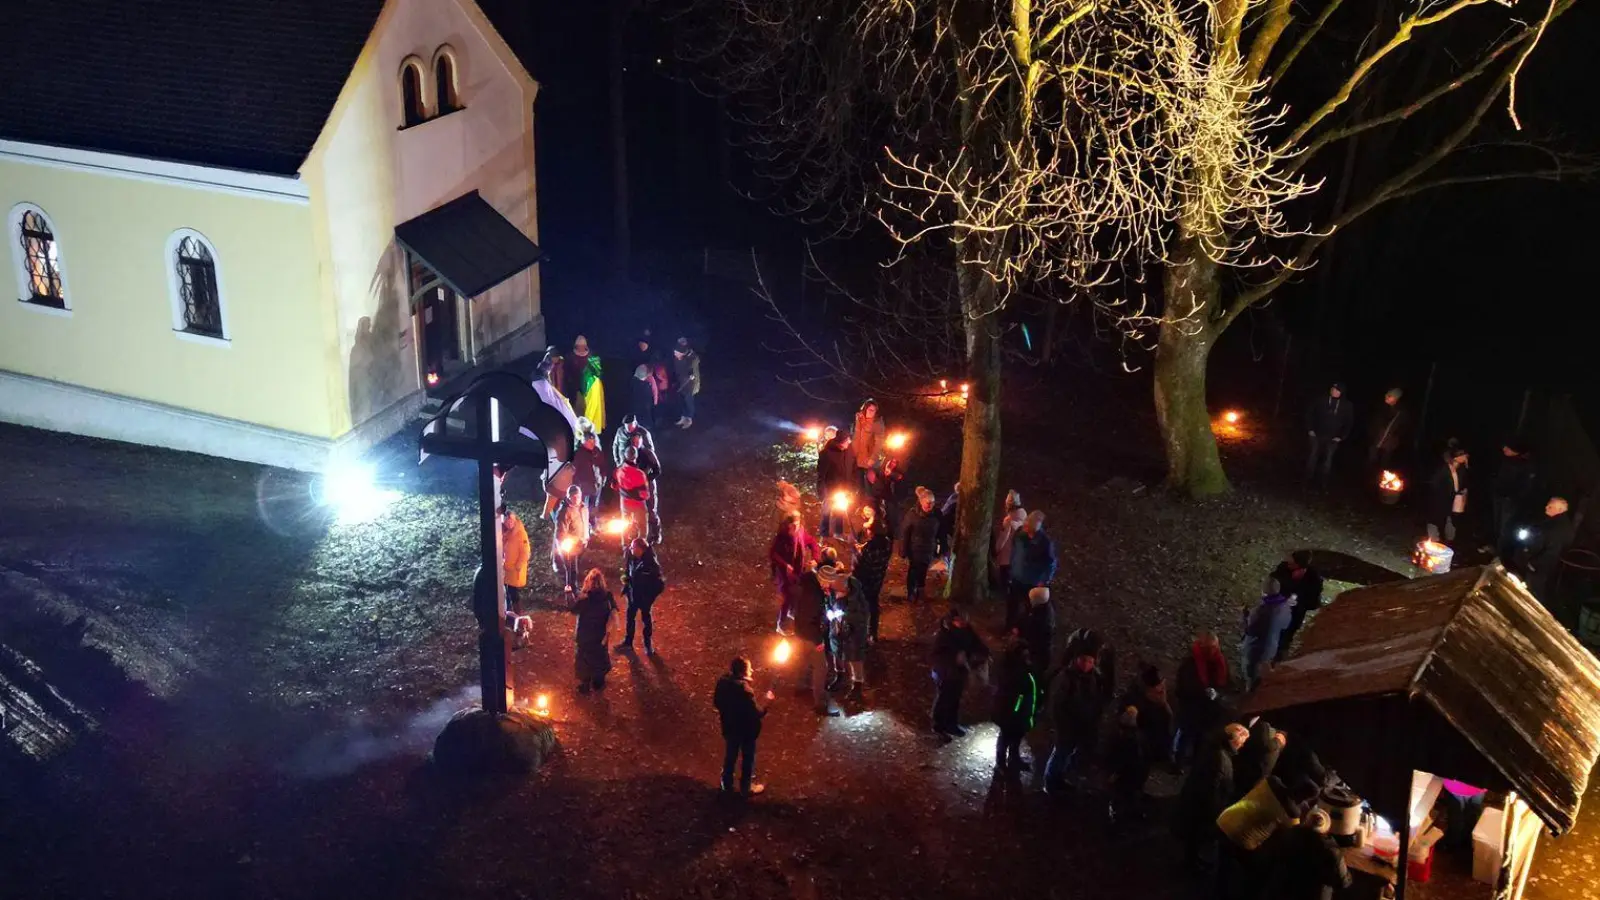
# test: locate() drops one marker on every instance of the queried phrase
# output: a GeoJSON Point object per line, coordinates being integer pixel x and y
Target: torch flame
{"type": "Point", "coordinates": [944, 384]}
{"type": "Point", "coordinates": [1390, 481]}
{"type": "Point", "coordinates": [841, 501]}
{"type": "Point", "coordinates": [780, 653]}
{"type": "Point", "coordinates": [965, 387]}
{"type": "Point", "coordinates": [897, 440]}
{"type": "Point", "coordinates": [433, 378]}
{"type": "Point", "coordinates": [541, 705]}
{"type": "Point", "coordinates": [568, 545]}
{"type": "Point", "coordinates": [814, 433]}
{"type": "Point", "coordinates": [617, 526]}
{"type": "Point", "coordinates": [1231, 417]}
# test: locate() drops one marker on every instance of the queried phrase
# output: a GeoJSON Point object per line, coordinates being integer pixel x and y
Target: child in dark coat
{"type": "Point", "coordinates": [1016, 703]}
{"type": "Point", "coordinates": [1130, 767]}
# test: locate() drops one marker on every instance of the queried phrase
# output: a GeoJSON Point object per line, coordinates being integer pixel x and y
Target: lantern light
{"type": "Point", "coordinates": [780, 653]}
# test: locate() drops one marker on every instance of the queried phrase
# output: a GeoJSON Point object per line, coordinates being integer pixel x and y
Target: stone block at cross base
{"type": "Point", "coordinates": [476, 742]}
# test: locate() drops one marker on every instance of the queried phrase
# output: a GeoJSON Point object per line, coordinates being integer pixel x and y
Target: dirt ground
{"type": "Point", "coordinates": [264, 684]}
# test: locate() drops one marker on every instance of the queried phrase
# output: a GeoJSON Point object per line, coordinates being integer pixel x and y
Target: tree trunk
{"type": "Point", "coordinates": [980, 442]}
{"type": "Point", "coordinates": [621, 233]}
{"type": "Point", "coordinates": [1182, 351]}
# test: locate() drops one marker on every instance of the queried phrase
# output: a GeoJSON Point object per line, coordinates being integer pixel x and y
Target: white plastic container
{"type": "Point", "coordinates": [1488, 845]}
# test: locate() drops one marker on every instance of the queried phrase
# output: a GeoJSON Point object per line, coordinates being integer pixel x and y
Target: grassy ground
{"type": "Point", "coordinates": [266, 682]}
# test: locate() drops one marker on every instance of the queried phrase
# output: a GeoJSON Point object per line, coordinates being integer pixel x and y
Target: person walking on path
{"type": "Point", "coordinates": [835, 474]}
{"type": "Point", "coordinates": [1033, 564]}
{"type": "Point", "coordinates": [591, 471]}
{"type": "Point", "coordinates": [792, 553]}
{"type": "Point", "coordinates": [1076, 700]}
{"type": "Point", "coordinates": [811, 630]}
{"type": "Point", "coordinates": [1016, 704]}
{"type": "Point", "coordinates": [872, 566]}
{"type": "Point", "coordinates": [867, 434]}
{"type": "Point", "coordinates": [1388, 430]}
{"type": "Point", "coordinates": [594, 610]}
{"type": "Point", "coordinates": [631, 425]}
{"type": "Point", "coordinates": [957, 650]}
{"type": "Point", "coordinates": [1000, 555]}
{"type": "Point", "coordinates": [686, 371]}
{"type": "Point", "coordinates": [641, 585]}
{"type": "Point", "coordinates": [1038, 628]}
{"type": "Point", "coordinates": [735, 702]}
{"type": "Point", "coordinates": [848, 597]}
{"type": "Point", "coordinates": [633, 489]}
{"type": "Point", "coordinates": [919, 537]}
{"type": "Point", "coordinates": [1328, 422]}
{"type": "Point", "coordinates": [570, 536]}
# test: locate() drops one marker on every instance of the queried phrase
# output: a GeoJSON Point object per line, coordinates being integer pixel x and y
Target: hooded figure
{"type": "Point", "coordinates": [642, 395]}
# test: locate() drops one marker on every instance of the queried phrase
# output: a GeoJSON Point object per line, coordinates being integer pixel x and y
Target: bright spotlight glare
{"type": "Point", "coordinates": [1523, 534]}
{"type": "Point", "coordinates": [350, 490]}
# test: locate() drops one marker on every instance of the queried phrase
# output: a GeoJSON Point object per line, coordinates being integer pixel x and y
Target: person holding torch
{"type": "Point", "coordinates": [741, 716]}
{"type": "Point", "coordinates": [569, 537]}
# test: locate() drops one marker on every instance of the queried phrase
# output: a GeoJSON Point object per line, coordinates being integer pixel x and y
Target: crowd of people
{"type": "Point", "coordinates": [574, 492]}
{"type": "Point", "coordinates": [1105, 739]}
{"type": "Point", "coordinates": [1524, 524]}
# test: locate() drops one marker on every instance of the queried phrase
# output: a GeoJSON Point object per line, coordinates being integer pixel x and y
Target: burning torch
{"type": "Point", "coordinates": [896, 441]}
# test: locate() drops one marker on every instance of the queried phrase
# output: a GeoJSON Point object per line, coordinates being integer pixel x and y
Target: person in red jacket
{"type": "Point", "coordinates": [633, 485]}
{"type": "Point", "coordinates": [792, 553]}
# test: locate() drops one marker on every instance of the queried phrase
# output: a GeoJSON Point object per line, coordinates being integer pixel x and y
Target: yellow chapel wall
{"type": "Point", "coordinates": [112, 233]}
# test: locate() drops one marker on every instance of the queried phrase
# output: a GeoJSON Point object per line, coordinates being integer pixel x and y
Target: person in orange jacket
{"type": "Point", "coordinates": [514, 552]}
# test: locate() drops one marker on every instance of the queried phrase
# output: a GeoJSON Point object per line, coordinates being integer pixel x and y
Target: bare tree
{"type": "Point", "coordinates": [1259, 42]}
{"type": "Point", "coordinates": [1131, 154]}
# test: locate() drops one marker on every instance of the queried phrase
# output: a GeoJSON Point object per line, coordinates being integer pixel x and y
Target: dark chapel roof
{"type": "Point", "coordinates": [240, 84]}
